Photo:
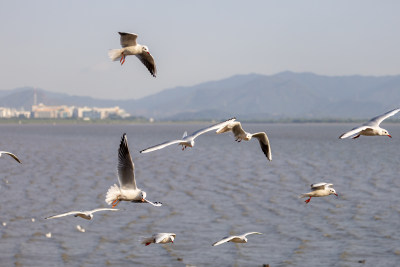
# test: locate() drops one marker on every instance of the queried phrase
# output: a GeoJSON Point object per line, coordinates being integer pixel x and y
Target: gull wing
{"type": "Point", "coordinates": [354, 131]}
{"type": "Point", "coordinates": [212, 127]}
{"type": "Point", "coordinates": [156, 204]}
{"type": "Point", "coordinates": [264, 143]}
{"type": "Point", "coordinates": [251, 233]}
{"type": "Point", "coordinates": [147, 59]}
{"type": "Point", "coordinates": [102, 209]}
{"type": "Point", "coordinates": [160, 146]}
{"type": "Point", "coordinates": [126, 168]}
{"type": "Point", "coordinates": [224, 240]}
{"type": "Point", "coordinates": [127, 39]}
{"type": "Point", "coordinates": [233, 126]}
{"type": "Point", "coordinates": [318, 186]}
{"type": "Point", "coordinates": [65, 214]}
{"type": "Point", "coordinates": [11, 155]}
{"type": "Point", "coordinates": [378, 119]}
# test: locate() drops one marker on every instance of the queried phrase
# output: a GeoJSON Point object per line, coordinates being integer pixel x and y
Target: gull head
{"type": "Point", "coordinates": [145, 49]}
{"type": "Point", "coordinates": [248, 136]}
{"type": "Point", "coordinates": [171, 237]}
{"type": "Point", "coordinates": [385, 132]}
{"type": "Point", "coordinates": [332, 192]}
{"type": "Point", "coordinates": [191, 143]}
{"type": "Point", "coordinates": [143, 195]}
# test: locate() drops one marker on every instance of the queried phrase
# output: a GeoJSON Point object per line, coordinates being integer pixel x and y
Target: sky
{"type": "Point", "coordinates": [62, 46]}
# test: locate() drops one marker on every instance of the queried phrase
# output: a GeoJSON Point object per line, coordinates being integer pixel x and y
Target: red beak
{"type": "Point", "coordinates": [389, 135]}
{"type": "Point", "coordinates": [142, 199]}
{"type": "Point", "coordinates": [336, 195]}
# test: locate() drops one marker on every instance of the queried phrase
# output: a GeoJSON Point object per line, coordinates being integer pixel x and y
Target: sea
{"type": "Point", "coordinates": [217, 188]}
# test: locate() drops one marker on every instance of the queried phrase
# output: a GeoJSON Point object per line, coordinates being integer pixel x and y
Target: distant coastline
{"type": "Point", "coordinates": [142, 120]}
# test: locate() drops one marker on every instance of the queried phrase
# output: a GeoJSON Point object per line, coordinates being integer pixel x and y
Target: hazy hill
{"type": "Point", "coordinates": [252, 96]}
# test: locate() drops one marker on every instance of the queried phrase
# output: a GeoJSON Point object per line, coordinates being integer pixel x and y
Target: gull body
{"type": "Point", "coordinates": [127, 191]}
{"type": "Point", "coordinates": [236, 128]}
{"type": "Point", "coordinates": [88, 215]}
{"type": "Point", "coordinates": [11, 155]}
{"type": "Point", "coordinates": [320, 190]}
{"type": "Point", "coordinates": [131, 47]}
{"type": "Point", "coordinates": [235, 238]}
{"type": "Point", "coordinates": [371, 127]}
{"type": "Point", "coordinates": [160, 238]}
{"type": "Point", "coordinates": [187, 140]}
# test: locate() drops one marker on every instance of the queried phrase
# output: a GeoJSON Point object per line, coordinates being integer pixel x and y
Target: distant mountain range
{"type": "Point", "coordinates": [253, 97]}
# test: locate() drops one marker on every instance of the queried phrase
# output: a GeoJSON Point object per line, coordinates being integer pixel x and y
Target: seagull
{"type": "Point", "coordinates": [128, 190]}
{"type": "Point", "coordinates": [235, 238]}
{"type": "Point", "coordinates": [236, 128]}
{"type": "Point", "coordinates": [371, 127]}
{"type": "Point", "coordinates": [187, 140]}
{"type": "Point", "coordinates": [130, 47]}
{"type": "Point", "coordinates": [88, 215]}
{"type": "Point", "coordinates": [320, 190]}
{"type": "Point", "coordinates": [162, 238]}
{"type": "Point", "coordinates": [11, 155]}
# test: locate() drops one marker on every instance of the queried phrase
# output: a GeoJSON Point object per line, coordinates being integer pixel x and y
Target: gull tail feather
{"type": "Point", "coordinates": [115, 54]}
{"type": "Point", "coordinates": [112, 194]}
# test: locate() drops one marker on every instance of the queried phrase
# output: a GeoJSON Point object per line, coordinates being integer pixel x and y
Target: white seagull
{"type": "Point", "coordinates": [128, 190]}
{"type": "Point", "coordinates": [130, 47]}
{"type": "Point", "coordinates": [162, 238]}
{"type": "Point", "coordinates": [11, 155]}
{"type": "Point", "coordinates": [88, 215]}
{"type": "Point", "coordinates": [320, 190]}
{"type": "Point", "coordinates": [235, 238]}
{"type": "Point", "coordinates": [236, 128]}
{"type": "Point", "coordinates": [371, 127]}
{"type": "Point", "coordinates": [187, 140]}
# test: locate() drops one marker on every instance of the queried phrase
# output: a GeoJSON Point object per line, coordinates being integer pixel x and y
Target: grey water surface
{"type": "Point", "coordinates": [217, 188]}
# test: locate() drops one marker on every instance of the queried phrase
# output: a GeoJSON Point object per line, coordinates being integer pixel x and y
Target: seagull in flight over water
{"type": "Point", "coordinates": [88, 215]}
{"type": "Point", "coordinates": [320, 190]}
{"type": "Point", "coordinates": [235, 238]}
{"type": "Point", "coordinates": [127, 191]}
{"type": "Point", "coordinates": [371, 127]}
{"type": "Point", "coordinates": [131, 47]}
{"type": "Point", "coordinates": [187, 140]}
{"type": "Point", "coordinates": [236, 128]}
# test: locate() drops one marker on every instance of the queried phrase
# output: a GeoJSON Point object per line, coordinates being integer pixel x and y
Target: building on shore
{"type": "Point", "coordinates": [42, 111]}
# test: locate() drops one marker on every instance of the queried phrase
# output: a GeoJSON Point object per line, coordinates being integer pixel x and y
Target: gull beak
{"type": "Point", "coordinates": [143, 200]}
{"type": "Point", "coordinates": [336, 195]}
{"type": "Point", "coordinates": [389, 135]}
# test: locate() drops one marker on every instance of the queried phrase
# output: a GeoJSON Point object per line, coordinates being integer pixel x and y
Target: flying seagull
{"type": "Point", "coordinates": [236, 128]}
{"type": "Point", "coordinates": [320, 190]}
{"type": "Point", "coordinates": [130, 47]}
{"type": "Point", "coordinates": [88, 215]}
{"type": "Point", "coordinates": [160, 238]}
{"type": "Point", "coordinates": [371, 127]}
{"type": "Point", "coordinates": [128, 190]}
{"type": "Point", "coordinates": [187, 140]}
{"type": "Point", "coordinates": [11, 155]}
{"type": "Point", "coordinates": [235, 238]}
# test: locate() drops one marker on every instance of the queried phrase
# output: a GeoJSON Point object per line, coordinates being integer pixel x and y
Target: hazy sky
{"type": "Point", "coordinates": [62, 46]}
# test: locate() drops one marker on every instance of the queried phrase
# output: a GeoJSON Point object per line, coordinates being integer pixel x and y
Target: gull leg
{"type": "Point", "coordinates": [308, 200]}
{"type": "Point", "coordinates": [148, 243]}
{"type": "Point", "coordinates": [115, 202]}
{"type": "Point", "coordinates": [122, 60]}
